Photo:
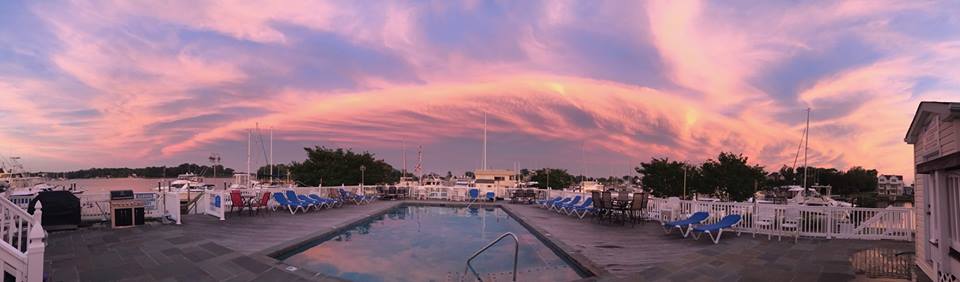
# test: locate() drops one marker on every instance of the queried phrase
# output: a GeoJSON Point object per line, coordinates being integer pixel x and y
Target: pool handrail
{"type": "Point", "coordinates": [516, 252]}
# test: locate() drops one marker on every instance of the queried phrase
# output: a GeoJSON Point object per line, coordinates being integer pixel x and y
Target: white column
{"type": "Point", "coordinates": [35, 247]}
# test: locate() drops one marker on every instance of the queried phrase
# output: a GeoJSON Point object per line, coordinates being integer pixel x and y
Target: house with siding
{"type": "Point", "coordinates": [935, 136]}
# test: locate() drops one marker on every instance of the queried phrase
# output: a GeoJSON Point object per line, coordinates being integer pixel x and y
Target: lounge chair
{"type": "Point", "coordinates": [316, 203]}
{"type": "Point", "coordinates": [563, 208]}
{"type": "Point", "coordinates": [292, 198]}
{"type": "Point", "coordinates": [491, 196]}
{"type": "Point", "coordinates": [292, 207]}
{"type": "Point", "coordinates": [556, 203]}
{"type": "Point", "coordinates": [356, 199]}
{"type": "Point", "coordinates": [545, 203]}
{"type": "Point", "coordinates": [329, 202]}
{"type": "Point", "coordinates": [727, 222]}
{"type": "Point", "coordinates": [684, 225]}
{"type": "Point", "coordinates": [583, 209]}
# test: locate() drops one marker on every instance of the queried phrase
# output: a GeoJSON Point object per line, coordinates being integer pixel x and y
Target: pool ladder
{"type": "Point", "coordinates": [516, 252]}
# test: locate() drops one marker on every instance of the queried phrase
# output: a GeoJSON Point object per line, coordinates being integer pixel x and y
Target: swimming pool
{"type": "Point", "coordinates": [430, 243]}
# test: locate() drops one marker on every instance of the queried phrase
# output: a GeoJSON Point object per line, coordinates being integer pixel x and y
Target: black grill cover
{"type": "Point", "coordinates": [61, 209]}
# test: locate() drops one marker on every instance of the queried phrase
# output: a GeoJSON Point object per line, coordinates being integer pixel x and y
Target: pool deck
{"type": "Point", "coordinates": [206, 249]}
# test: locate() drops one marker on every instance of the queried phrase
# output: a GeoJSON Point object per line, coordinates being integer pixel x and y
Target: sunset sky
{"type": "Point", "coordinates": [110, 84]}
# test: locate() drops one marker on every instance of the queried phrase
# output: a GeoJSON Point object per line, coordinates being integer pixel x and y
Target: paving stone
{"type": "Point", "coordinates": [216, 249]}
{"type": "Point", "coordinates": [251, 264]}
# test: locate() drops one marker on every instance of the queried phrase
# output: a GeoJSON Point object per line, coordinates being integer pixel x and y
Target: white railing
{"type": "Point", "coordinates": [813, 221]}
{"type": "Point", "coordinates": [171, 206]}
{"type": "Point", "coordinates": [23, 242]}
{"type": "Point", "coordinates": [214, 203]}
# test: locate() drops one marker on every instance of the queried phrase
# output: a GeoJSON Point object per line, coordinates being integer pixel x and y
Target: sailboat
{"type": "Point", "coordinates": [804, 195]}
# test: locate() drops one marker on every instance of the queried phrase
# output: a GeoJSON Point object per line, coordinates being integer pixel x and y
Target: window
{"type": "Point", "coordinates": [953, 209]}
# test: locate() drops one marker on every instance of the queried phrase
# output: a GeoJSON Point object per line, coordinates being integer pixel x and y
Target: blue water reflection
{"type": "Point", "coordinates": [431, 243]}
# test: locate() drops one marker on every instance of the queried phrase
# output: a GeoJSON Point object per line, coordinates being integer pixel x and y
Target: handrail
{"type": "Point", "coordinates": [516, 252]}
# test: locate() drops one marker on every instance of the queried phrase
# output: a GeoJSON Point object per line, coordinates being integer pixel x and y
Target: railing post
{"type": "Point", "coordinates": [35, 247]}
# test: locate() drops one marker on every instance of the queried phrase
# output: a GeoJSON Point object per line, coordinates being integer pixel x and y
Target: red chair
{"type": "Point", "coordinates": [263, 204]}
{"type": "Point", "coordinates": [236, 200]}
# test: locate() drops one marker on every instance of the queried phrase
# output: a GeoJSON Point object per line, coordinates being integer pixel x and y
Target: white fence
{"type": "Point", "coordinates": [893, 223]}
{"type": "Point", "coordinates": [23, 242]}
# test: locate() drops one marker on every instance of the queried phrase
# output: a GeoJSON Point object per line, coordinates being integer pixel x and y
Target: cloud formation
{"type": "Point", "coordinates": [104, 83]}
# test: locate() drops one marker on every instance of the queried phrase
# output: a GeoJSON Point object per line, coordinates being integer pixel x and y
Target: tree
{"type": "Point", "coordinates": [552, 178]}
{"type": "Point", "coordinates": [731, 175]}
{"type": "Point", "coordinates": [469, 174]}
{"type": "Point", "coordinates": [662, 177]}
{"type": "Point", "coordinates": [341, 167]}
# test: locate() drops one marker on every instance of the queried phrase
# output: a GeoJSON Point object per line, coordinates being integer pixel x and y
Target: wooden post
{"type": "Point", "coordinates": [36, 246]}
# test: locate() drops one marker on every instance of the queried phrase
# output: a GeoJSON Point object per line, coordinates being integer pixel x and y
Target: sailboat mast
{"type": "Point", "coordinates": [403, 148]}
{"type": "Point", "coordinates": [806, 146]}
{"type": "Point", "coordinates": [249, 135]}
{"type": "Point", "coordinates": [271, 154]}
{"type": "Point", "coordinates": [484, 164]}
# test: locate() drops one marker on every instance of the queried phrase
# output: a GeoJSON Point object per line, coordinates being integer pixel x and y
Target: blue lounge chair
{"type": "Point", "coordinates": [356, 199]}
{"type": "Point", "coordinates": [583, 209]}
{"type": "Point", "coordinates": [727, 222]}
{"type": "Point", "coordinates": [563, 208]}
{"type": "Point", "coordinates": [684, 225]}
{"type": "Point", "coordinates": [560, 202]}
{"type": "Point", "coordinates": [563, 202]}
{"type": "Point", "coordinates": [315, 203]}
{"type": "Point", "coordinates": [292, 207]}
{"type": "Point", "coordinates": [491, 196]}
{"type": "Point", "coordinates": [330, 202]}
{"type": "Point", "coordinates": [545, 203]}
{"type": "Point", "coordinates": [293, 198]}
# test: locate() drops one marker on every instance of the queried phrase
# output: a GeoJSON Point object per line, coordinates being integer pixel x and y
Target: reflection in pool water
{"type": "Point", "coordinates": [431, 243]}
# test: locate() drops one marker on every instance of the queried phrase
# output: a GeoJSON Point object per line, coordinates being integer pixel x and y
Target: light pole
{"type": "Point", "coordinates": [362, 169]}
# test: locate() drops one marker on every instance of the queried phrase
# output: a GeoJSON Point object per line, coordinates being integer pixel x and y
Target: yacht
{"type": "Point", "coordinates": [188, 182]}
{"type": "Point", "coordinates": [797, 195]}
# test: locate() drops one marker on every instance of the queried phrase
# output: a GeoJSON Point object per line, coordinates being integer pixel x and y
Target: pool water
{"type": "Point", "coordinates": [431, 243]}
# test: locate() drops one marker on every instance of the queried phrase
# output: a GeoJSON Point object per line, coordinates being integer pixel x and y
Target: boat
{"type": "Point", "coordinates": [798, 195]}
{"type": "Point", "coordinates": [16, 181]}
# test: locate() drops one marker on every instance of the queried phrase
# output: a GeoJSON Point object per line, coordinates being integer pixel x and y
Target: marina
{"type": "Point", "coordinates": [479, 140]}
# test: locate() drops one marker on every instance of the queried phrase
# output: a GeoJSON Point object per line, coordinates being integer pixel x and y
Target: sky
{"type": "Point", "coordinates": [591, 86]}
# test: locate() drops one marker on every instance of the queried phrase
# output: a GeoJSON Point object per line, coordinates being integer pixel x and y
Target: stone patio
{"type": "Point", "coordinates": [206, 249]}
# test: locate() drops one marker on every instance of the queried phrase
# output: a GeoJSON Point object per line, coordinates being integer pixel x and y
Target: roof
{"type": "Point", "coordinates": [947, 110]}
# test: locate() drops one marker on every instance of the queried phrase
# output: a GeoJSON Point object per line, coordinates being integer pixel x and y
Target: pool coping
{"type": "Point", "coordinates": [579, 262]}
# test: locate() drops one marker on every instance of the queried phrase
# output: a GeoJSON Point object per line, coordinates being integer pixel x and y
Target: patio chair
{"type": "Point", "coordinates": [262, 204]}
{"type": "Point", "coordinates": [790, 222]}
{"type": "Point", "coordinates": [638, 207]}
{"type": "Point", "coordinates": [562, 208]}
{"type": "Point", "coordinates": [492, 197]}
{"type": "Point", "coordinates": [727, 222]}
{"type": "Point", "coordinates": [684, 225]}
{"type": "Point", "coordinates": [764, 219]}
{"type": "Point", "coordinates": [474, 194]}
{"type": "Point", "coordinates": [283, 203]}
{"type": "Point", "coordinates": [583, 209]}
{"type": "Point", "coordinates": [236, 201]}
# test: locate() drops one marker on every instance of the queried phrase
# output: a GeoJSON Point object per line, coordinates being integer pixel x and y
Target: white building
{"type": "Point", "coordinates": [935, 136]}
{"type": "Point", "coordinates": [495, 179]}
{"type": "Point", "coordinates": [890, 185]}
